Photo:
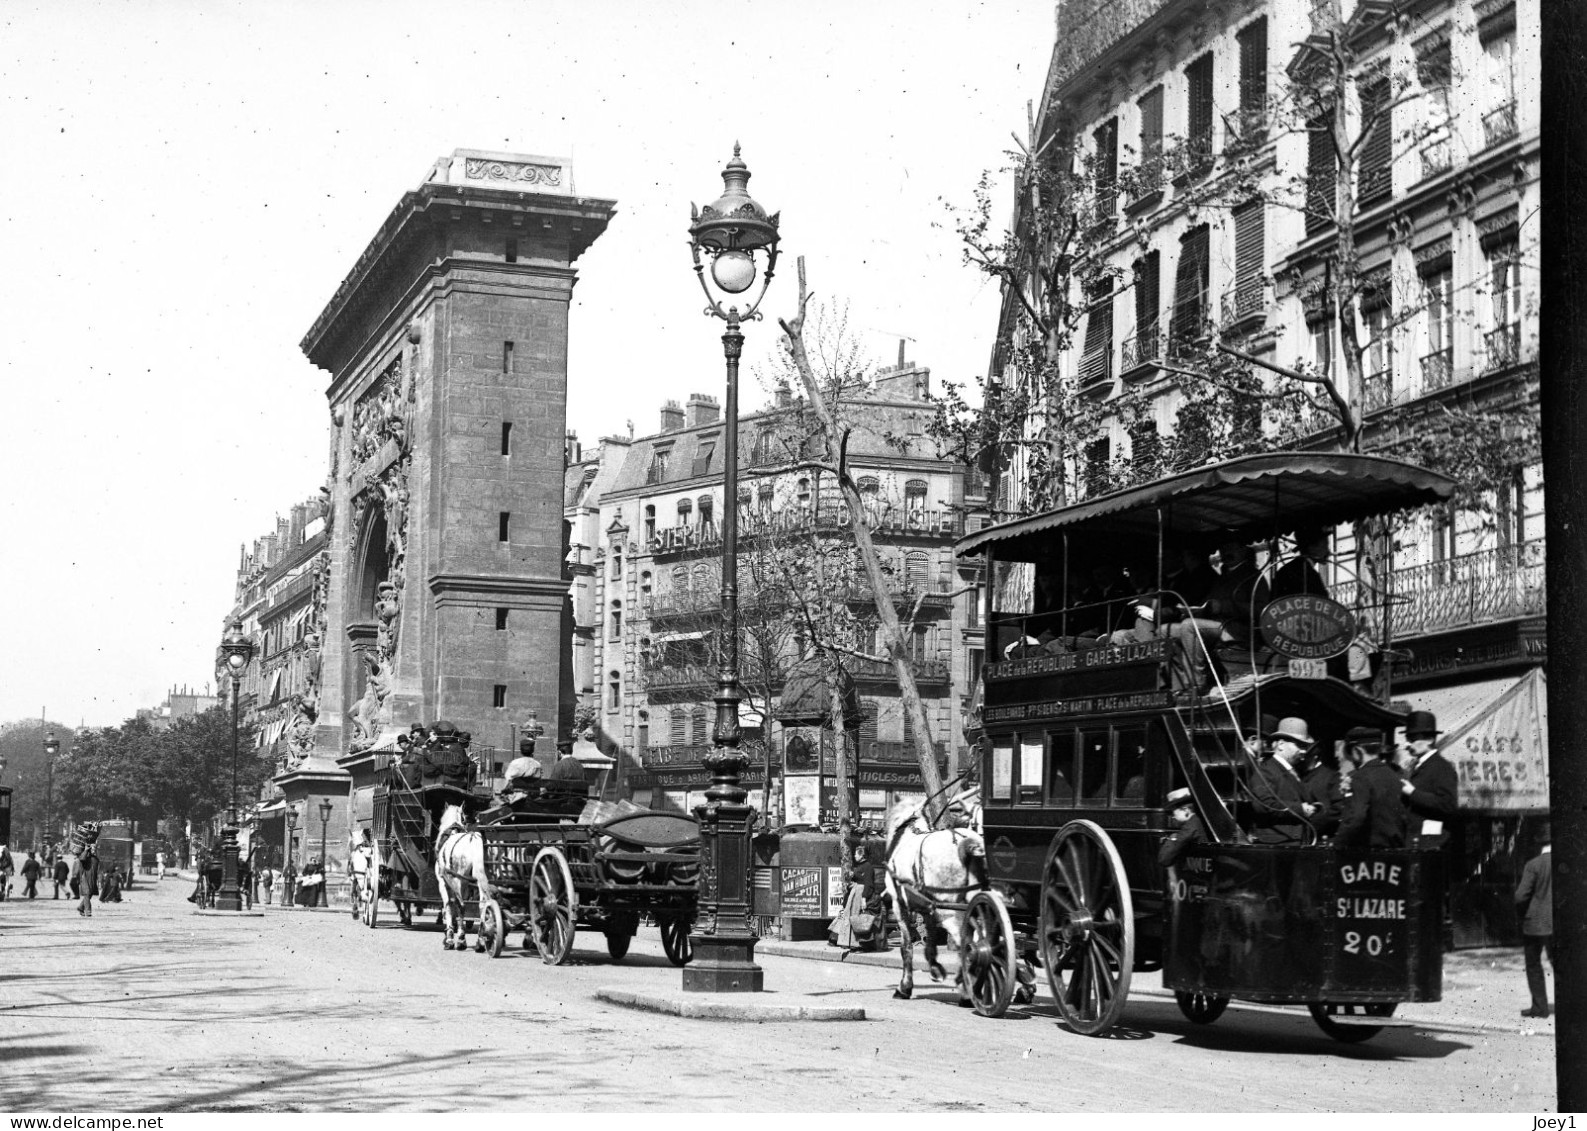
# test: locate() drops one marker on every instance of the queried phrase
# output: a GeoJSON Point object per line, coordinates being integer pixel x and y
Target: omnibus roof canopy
{"type": "Point", "coordinates": [1255, 495]}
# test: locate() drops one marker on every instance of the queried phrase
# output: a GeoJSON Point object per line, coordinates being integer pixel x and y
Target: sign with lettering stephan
{"type": "Point", "coordinates": [1371, 920]}
{"type": "Point", "coordinates": [1308, 627]}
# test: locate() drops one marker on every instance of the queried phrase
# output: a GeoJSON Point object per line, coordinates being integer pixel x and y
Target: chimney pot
{"type": "Point", "coordinates": [671, 417]}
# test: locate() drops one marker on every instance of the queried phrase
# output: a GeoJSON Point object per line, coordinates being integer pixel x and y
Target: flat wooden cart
{"type": "Point", "coordinates": [552, 878]}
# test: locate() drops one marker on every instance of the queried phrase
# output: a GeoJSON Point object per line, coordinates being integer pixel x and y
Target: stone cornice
{"type": "Point", "coordinates": [483, 589]}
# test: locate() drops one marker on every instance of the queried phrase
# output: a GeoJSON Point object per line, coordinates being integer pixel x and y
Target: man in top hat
{"type": "Point", "coordinates": [1534, 906]}
{"type": "Point", "coordinates": [1280, 800]}
{"type": "Point", "coordinates": [1430, 787]}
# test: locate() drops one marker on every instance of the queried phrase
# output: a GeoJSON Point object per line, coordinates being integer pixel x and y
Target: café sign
{"type": "Point", "coordinates": [1307, 627]}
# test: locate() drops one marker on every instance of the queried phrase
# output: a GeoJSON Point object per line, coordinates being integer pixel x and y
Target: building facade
{"type": "Point", "coordinates": [1347, 192]}
{"type": "Point", "coordinates": [648, 549]}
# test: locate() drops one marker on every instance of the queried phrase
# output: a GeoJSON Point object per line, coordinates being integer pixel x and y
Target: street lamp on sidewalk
{"type": "Point", "coordinates": [325, 822]}
{"type": "Point", "coordinates": [52, 747]}
{"type": "Point", "coordinates": [237, 649]}
{"type": "Point", "coordinates": [730, 232]}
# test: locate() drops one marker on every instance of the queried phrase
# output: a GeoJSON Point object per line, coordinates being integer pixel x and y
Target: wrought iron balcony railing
{"type": "Point", "coordinates": [1499, 125]}
{"type": "Point", "coordinates": [889, 519]}
{"type": "Point", "coordinates": [1502, 347]}
{"type": "Point", "coordinates": [1245, 300]}
{"type": "Point", "coordinates": [1144, 349]}
{"type": "Point", "coordinates": [1438, 369]}
{"type": "Point", "coordinates": [1377, 391]}
{"type": "Point", "coordinates": [1459, 592]}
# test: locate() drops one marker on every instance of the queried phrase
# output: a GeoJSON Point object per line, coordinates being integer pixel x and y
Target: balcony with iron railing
{"type": "Point", "coordinates": [1377, 391]}
{"type": "Point", "coordinates": [1498, 125]}
{"type": "Point", "coordinates": [1143, 185]}
{"type": "Point", "coordinates": [936, 593]}
{"type": "Point", "coordinates": [1142, 353]}
{"type": "Point", "coordinates": [890, 520]}
{"type": "Point", "coordinates": [1502, 347]}
{"type": "Point", "coordinates": [1435, 158]}
{"type": "Point", "coordinates": [1244, 305]}
{"type": "Point", "coordinates": [1491, 585]}
{"type": "Point", "coordinates": [1438, 369]}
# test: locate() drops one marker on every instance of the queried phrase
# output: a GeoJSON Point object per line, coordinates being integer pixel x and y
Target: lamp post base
{"type": "Point", "coordinates": [229, 898]}
{"type": "Point", "coordinates": [724, 964]}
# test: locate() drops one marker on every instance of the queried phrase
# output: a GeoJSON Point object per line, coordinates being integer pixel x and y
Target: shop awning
{"type": "Point", "coordinates": [1496, 736]}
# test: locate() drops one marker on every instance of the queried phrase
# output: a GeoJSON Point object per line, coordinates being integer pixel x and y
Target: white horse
{"type": "Point", "coordinates": [927, 868]}
{"type": "Point", "coordinates": [363, 867]}
{"type": "Point", "coordinates": [459, 859]}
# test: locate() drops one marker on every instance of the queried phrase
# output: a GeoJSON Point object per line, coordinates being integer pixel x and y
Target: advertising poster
{"type": "Point", "coordinates": [801, 800]}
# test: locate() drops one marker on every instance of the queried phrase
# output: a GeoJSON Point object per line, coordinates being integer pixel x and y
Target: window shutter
{"type": "Point", "coordinates": [679, 724]}
{"type": "Point", "coordinates": [1098, 455]}
{"type": "Point", "coordinates": [1152, 125]}
{"type": "Point", "coordinates": [1374, 181]}
{"type": "Point", "coordinates": [1253, 68]}
{"type": "Point", "coordinates": [1321, 174]}
{"type": "Point", "coordinates": [868, 720]}
{"type": "Point", "coordinates": [1107, 170]}
{"type": "Point", "coordinates": [1199, 76]}
{"type": "Point", "coordinates": [1094, 362]}
{"type": "Point", "coordinates": [1148, 305]}
{"type": "Point", "coordinates": [917, 569]}
{"type": "Point", "coordinates": [1190, 289]}
{"type": "Point", "coordinates": [1250, 226]}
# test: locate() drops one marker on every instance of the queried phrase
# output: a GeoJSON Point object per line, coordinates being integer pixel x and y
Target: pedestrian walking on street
{"type": "Point", "coordinates": [159, 865]}
{"type": "Point", "coordinates": [1534, 906]}
{"type": "Point", "coordinates": [7, 866]}
{"type": "Point", "coordinates": [30, 876]}
{"type": "Point", "coordinates": [59, 874]}
{"type": "Point", "coordinates": [267, 879]}
{"type": "Point", "coordinates": [87, 880]}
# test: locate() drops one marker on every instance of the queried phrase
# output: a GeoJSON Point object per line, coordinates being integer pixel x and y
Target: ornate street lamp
{"type": "Point", "coordinates": [292, 832]}
{"type": "Point", "coordinates": [730, 233]}
{"type": "Point", "coordinates": [237, 650]}
{"type": "Point", "coordinates": [52, 747]}
{"type": "Point", "coordinates": [325, 821]}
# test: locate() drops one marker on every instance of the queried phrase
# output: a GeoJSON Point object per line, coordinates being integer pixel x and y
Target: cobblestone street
{"type": "Point", "coordinates": [150, 1007]}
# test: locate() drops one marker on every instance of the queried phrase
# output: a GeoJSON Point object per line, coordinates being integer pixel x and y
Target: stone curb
{"type": "Point", "coordinates": [726, 1007]}
{"type": "Point", "coordinates": [213, 913]}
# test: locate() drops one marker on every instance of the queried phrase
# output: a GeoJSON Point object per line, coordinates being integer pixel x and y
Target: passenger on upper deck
{"type": "Point", "coordinates": [1233, 603]}
{"type": "Point", "coordinates": [1300, 574]}
{"type": "Point", "coordinates": [524, 770]}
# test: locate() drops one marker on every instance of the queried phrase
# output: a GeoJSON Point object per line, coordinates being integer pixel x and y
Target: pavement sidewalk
{"type": "Point", "coordinates": [1484, 990]}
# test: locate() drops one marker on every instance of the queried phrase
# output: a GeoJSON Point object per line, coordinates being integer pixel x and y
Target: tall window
{"type": "Point", "coordinates": [660, 463]}
{"type": "Point", "coordinates": [1498, 59]}
{"type": "Point", "coordinates": [915, 502]}
{"type": "Point", "coordinates": [685, 511]}
{"type": "Point", "coordinates": [1253, 77]}
{"type": "Point", "coordinates": [802, 493]}
{"type": "Point", "coordinates": [917, 570]}
{"type": "Point", "coordinates": [1438, 318]}
{"type": "Point", "coordinates": [642, 732]}
{"type": "Point", "coordinates": [1190, 290]}
{"type": "Point", "coordinates": [1373, 172]}
{"type": "Point", "coordinates": [1504, 282]}
{"type": "Point", "coordinates": [646, 591]}
{"type": "Point", "coordinates": [1320, 332]}
{"type": "Point", "coordinates": [702, 456]}
{"type": "Point", "coordinates": [1378, 362]}
{"type": "Point", "coordinates": [614, 690]}
{"type": "Point", "coordinates": [1148, 304]}
{"type": "Point", "coordinates": [617, 563]}
{"type": "Point", "coordinates": [1146, 447]}
{"type": "Point", "coordinates": [1106, 138]}
{"type": "Point", "coordinates": [1322, 173]}
{"type": "Point", "coordinates": [1096, 361]}
{"type": "Point", "coordinates": [763, 498]}
{"type": "Point", "coordinates": [1151, 107]}
{"type": "Point", "coordinates": [1198, 77]}
{"type": "Point", "coordinates": [650, 523]}
{"type": "Point", "coordinates": [616, 621]}
{"type": "Point", "coordinates": [1250, 236]}
{"type": "Point", "coordinates": [707, 510]}
{"type": "Point", "coordinates": [1098, 455]}
{"type": "Point", "coordinates": [1434, 71]}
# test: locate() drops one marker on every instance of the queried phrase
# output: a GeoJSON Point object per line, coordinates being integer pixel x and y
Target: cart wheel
{"type": "Point", "coordinates": [1324, 1012]}
{"type": "Point", "coordinates": [492, 932]}
{"type": "Point", "coordinates": [1087, 927]}
{"type": "Point", "coordinates": [371, 907]}
{"type": "Point", "coordinates": [553, 906]}
{"type": "Point", "coordinates": [987, 959]}
{"type": "Point", "coordinates": [675, 938]}
{"type": "Point", "coordinates": [1203, 1009]}
{"type": "Point", "coordinates": [617, 943]}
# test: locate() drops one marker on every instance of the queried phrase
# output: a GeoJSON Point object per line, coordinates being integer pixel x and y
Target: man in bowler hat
{"type": "Point", "coordinates": [1430, 788]}
{"type": "Point", "coordinates": [1282, 811]}
{"type": "Point", "coordinates": [1534, 906]}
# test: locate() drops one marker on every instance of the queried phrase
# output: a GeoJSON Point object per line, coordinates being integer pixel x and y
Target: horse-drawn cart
{"type": "Point", "coordinates": [1093, 735]}
{"type": "Point", "coordinates": [553, 877]}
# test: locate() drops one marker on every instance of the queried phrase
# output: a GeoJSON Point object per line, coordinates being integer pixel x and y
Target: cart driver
{"type": "Point", "coordinates": [524, 770]}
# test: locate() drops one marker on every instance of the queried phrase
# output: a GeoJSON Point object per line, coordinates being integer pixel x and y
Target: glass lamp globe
{"type": "Point", "coordinates": [236, 662]}
{"type": "Point", "coordinates": [733, 271]}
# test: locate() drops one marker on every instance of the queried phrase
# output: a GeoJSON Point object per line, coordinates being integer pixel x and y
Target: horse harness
{"type": "Point", "coordinates": [920, 896]}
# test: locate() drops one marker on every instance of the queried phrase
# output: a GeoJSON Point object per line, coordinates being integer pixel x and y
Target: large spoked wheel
{"type": "Point", "coordinates": [675, 939]}
{"type": "Point", "coordinates": [1087, 927]}
{"type": "Point", "coordinates": [492, 928]}
{"type": "Point", "coordinates": [1201, 1008]}
{"type": "Point", "coordinates": [986, 954]}
{"type": "Point", "coordinates": [1325, 1014]}
{"type": "Point", "coordinates": [553, 906]}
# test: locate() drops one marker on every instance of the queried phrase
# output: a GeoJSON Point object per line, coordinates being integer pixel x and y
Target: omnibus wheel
{"type": "Point", "coordinates": [1324, 1012]}
{"type": "Point", "coordinates": [553, 906]}
{"type": "Point", "coordinates": [492, 929]}
{"type": "Point", "coordinates": [617, 943]}
{"type": "Point", "coordinates": [675, 937]}
{"type": "Point", "coordinates": [1087, 927]}
{"type": "Point", "coordinates": [1203, 1009]}
{"type": "Point", "coordinates": [987, 960]}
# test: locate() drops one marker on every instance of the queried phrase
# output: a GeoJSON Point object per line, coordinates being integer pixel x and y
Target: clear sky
{"type": "Point", "coordinates": [187, 184]}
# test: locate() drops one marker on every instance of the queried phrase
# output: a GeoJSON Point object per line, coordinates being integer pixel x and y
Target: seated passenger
{"type": "Point", "coordinates": [1189, 830]}
{"type": "Point", "coordinates": [1228, 615]}
{"type": "Point", "coordinates": [525, 770]}
{"type": "Point", "coordinates": [1300, 574]}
